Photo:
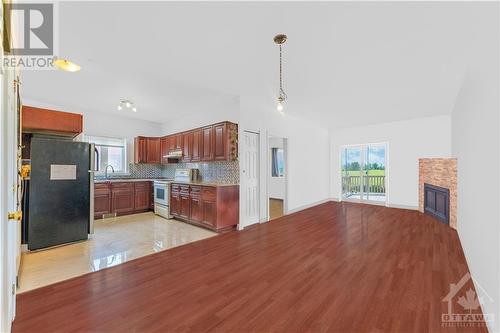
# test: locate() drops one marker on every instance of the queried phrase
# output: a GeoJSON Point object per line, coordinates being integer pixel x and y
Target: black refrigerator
{"type": "Point", "coordinates": [60, 192]}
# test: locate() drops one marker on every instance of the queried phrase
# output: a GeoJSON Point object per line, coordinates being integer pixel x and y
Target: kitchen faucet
{"type": "Point", "coordinates": [106, 170]}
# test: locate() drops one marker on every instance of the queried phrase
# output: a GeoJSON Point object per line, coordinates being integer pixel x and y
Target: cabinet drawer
{"type": "Point", "coordinates": [141, 185]}
{"type": "Point", "coordinates": [175, 187]}
{"type": "Point", "coordinates": [196, 190]}
{"type": "Point", "coordinates": [101, 187]}
{"type": "Point", "coordinates": [208, 193]}
{"type": "Point", "coordinates": [184, 188]}
{"type": "Point", "coordinates": [124, 186]}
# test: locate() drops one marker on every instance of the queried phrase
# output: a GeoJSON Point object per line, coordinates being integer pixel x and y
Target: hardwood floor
{"type": "Point", "coordinates": [334, 267]}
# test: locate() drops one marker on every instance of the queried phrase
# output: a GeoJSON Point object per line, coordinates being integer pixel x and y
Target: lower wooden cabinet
{"type": "Point", "coordinates": [102, 200]}
{"type": "Point", "coordinates": [142, 196]}
{"type": "Point", "coordinates": [213, 207]}
{"type": "Point", "coordinates": [121, 198]}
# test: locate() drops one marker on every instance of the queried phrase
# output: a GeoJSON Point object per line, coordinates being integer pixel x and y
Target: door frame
{"type": "Point", "coordinates": [10, 246]}
{"type": "Point", "coordinates": [241, 148]}
{"type": "Point", "coordinates": [387, 173]}
{"type": "Point", "coordinates": [268, 173]}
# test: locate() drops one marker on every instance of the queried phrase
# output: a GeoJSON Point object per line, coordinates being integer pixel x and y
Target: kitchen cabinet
{"type": "Point", "coordinates": [196, 145]}
{"type": "Point", "coordinates": [220, 141]}
{"type": "Point", "coordinates": [185, 207]}
{"type": "Point", "coordinates": [175, 200]}
{"type": "Point", "coordinates": [39, 120]}
{"type": "Point", "coordinates": [213, 207]}
{"type": "Point", "coordinates": [142, 196]}
{"type": "Point", "coordinates": [153, 150]}
{"type": "Point", "coordinates": [102, 200]}
{"type": "Point", "coordinates": [164, 149]}
{"type": "Point", "coordinates": [122, 198]}
{"type": "Point", "coordinates": [140, 148]}
{"type": "Point", "coordinates": [196, 204]}
{"type": "Point", "coordinates": [178, 141]}
{"type": "Point", "coordinates": [207, 142]}
{"type": "Point", "coordinates": [217, 142]}
{"type": "Point", "coordinates": [187, 140]}
{"type": "Point", "coordinates": [147, 150]}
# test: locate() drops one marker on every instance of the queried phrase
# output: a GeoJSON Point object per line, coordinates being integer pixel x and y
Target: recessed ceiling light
{"type": "Point", "coordinates": [126, 104]}
{"type": "Point", "coordinates": [66, 65]}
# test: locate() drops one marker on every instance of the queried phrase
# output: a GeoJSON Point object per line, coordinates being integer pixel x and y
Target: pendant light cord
{"type": "Point", "coordinates": [282, 92]}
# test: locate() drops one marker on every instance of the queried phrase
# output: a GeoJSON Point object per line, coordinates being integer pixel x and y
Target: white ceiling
{"type": "Point", "coordinates": [345, 63]}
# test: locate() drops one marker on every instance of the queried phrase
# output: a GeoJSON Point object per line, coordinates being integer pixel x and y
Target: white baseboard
{"type": "Point", "coordinates": [402, 206]}
{"type": "Point", "coordinates": [298, 209]}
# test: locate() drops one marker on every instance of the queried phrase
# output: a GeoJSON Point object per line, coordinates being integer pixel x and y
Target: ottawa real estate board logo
{"type": "Point", "coordinates": [464, 302]}
{"type": "Point", "coordinates": [30, 35]}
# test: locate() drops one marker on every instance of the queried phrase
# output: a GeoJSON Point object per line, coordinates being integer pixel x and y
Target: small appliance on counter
{"type": "Point", "coordinates": [186, 175]}
{"type": "Point", "coordinates": [162, 198]}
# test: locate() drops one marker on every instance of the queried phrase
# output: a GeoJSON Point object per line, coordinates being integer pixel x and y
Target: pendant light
{"type": "Point", "coordinates": [282, 97]}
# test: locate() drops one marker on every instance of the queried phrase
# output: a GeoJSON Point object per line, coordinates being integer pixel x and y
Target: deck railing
{"type": "Point", "coordinates": [372, 184]}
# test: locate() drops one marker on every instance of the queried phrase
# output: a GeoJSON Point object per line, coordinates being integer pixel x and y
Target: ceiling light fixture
{"type": "Point", "coordinates": [282, 97]}
{"type": "Point", "coordinates": [126, 104]}
{"type": "Point", "coordinates": [66, 65]}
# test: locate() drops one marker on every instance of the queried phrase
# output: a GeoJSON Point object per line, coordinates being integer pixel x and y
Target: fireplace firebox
{"type": "Point", "coordinates": [437, 202]}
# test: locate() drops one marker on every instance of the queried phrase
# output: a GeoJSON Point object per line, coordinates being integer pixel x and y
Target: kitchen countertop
{"type": "Point", "coordinates": [200, 183]}
{"type": "Point", "coordinates": [115, 180]}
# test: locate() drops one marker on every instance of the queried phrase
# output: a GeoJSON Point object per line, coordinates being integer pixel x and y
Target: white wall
{"type": "Point", "coordinates": [225, 110]}
{"type": "Point", "coordinates": [308, 157]}
{"type": "Point", "coordinates": [475, 144]}
{"type": "Point", "coordinates": [276, 184]}
{"type": "Point", "coordinates": [103, 124]}
{"type": "Point", "coordinates": [407, 142]}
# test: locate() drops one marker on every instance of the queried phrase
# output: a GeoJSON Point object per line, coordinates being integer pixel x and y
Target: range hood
{"type": "Point", "coordinates": [174, 154]}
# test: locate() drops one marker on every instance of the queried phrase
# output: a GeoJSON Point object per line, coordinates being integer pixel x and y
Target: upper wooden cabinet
{"type": "Point", "coordinates": [38, 120]}
{"type": "Point", "coordinates": [207, 143]}
{"type": "Point", "coordinates": [187, 140]}
{"type": "Point", "coordinates": [140, 149]}
{"type": "Point", "coordinates": [218, 142]}
{"type": "Point", "coordinates": [164, 149]}
{"type": "Point", "coordinates": [196, 145]}
{"type": "Point", "coordinates": [153, 150]}
{"type": "Point", "coordinates": [147, 150]}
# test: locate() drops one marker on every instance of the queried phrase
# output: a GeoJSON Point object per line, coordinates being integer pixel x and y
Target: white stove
{"type": "Point", "coordinates": [162, 198]}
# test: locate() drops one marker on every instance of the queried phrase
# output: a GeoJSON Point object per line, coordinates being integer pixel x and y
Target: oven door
{"type": "Point", "coordinates": [161, 194]}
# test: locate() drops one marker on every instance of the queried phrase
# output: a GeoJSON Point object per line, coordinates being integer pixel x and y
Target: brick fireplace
{"type": "Point", "coordinates": [440, 172]}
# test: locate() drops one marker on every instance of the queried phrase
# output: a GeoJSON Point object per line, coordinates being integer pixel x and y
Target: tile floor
{"type": "Point", "coordinates": [115, 241]}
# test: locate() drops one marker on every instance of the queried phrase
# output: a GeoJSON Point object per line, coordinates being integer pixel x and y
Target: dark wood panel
{"type": "Point", "coordinates": [39, 120]}
{"type": "Point", "coordinates": [153, 150]}
{"type": "Point", "coordinates": [185, 205]}
{"type": "Point", "coordinates": [196, 146]}
{"type": "Point", "coordinates": [140, 148]}
{"type": "Point", "coordinates": [220, 142]}
{"type": "Point", "coordinates": [207, 144]}
{"type": "Point", "coordinates": [164, 149]}
{"type": "Point", "coordinates": [187, 140]}
{"type": "Point", "coordinates": [102, 200]}
{"type": "Point", "coordinates": [337, 267]}
{"type": "Point", "coordinates": [209, 213]}
{"type": "Point", "coordinates": [142, 196]}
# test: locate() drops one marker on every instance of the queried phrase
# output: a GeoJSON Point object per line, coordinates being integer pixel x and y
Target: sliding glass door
{"type": "Point", "coordinates": [363, 172]}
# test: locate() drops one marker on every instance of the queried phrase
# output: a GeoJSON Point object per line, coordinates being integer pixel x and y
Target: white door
{"type": "Point", "coordinates": [250, 179]}
{"type": "Point", "coordinates": [10, 229]}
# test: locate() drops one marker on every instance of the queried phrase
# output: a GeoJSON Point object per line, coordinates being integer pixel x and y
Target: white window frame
{"type": "Point", "coordinates": [96, 138]}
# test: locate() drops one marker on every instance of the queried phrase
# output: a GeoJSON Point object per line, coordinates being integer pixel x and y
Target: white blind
{"type": "Point", "coordinates": [105, 141]}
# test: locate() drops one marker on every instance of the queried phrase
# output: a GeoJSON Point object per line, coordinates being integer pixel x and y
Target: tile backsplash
{"type": "Point", "coordinates": [222, 171]}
